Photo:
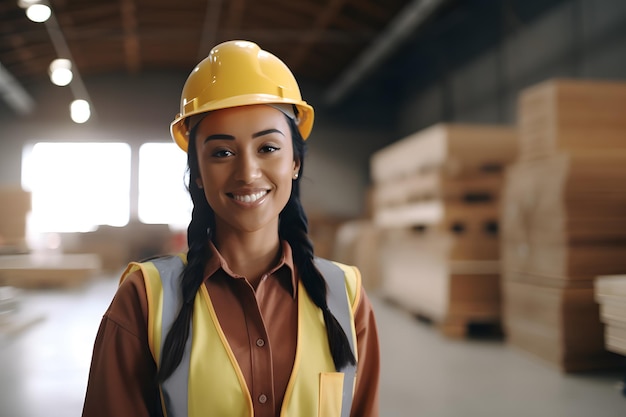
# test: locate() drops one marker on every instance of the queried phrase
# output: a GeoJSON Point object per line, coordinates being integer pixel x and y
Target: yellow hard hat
{"type": "Point", "coordinates": [238, 73]}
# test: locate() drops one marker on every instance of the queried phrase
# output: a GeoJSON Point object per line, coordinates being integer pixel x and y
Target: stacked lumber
{"type": "Point", "coordinates": [563, 220]}
{"type": "Point", "coordinates": [610, 291]}
{"type": "Point", "coordinates": [323, 233]}
{"type": "Point", "coordinates": [48, 270]}
{"type": "Point", "coordinates": [15, 204]}
{"type": "Point", "coordinates": [572, 116]}
{"type": "Point", "coordinates": [436, 198]}
{"type": "Point", "coordinates": [117, 246]}
{"type": "Point", "coordinates": [357, 243]}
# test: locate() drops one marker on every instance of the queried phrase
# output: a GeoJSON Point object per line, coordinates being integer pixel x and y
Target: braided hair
{"type": "Point", "coordinates": [293, 227]}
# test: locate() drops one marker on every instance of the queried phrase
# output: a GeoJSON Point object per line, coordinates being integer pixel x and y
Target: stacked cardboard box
{"type": "Point", "coordinates": [436, 195]}
{"type": "Point", "coordinates": [611, 295]}
{"type": "Point", "coordinates": [564, 219]}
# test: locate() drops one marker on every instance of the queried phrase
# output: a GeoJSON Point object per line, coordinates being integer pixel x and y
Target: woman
{"type": "Point", "coordinates": [249, 322]}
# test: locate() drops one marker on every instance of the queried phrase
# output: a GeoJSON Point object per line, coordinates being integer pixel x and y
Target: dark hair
{"type": "Point", "coordinates": [293, 227]}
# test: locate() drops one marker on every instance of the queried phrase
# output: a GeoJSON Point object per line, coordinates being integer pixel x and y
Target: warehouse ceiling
{"type": "Point", "coordinates": [332, 44]}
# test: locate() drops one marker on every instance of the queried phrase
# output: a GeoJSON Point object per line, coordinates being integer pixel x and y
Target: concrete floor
{"type": "Point", "coordinates": [44, 366]}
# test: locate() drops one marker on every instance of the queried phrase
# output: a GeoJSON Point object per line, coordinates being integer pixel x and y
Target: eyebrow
{"type": "Point", "coordinates": [266, 132]}
{"type": "Point", "coordinates": [222, 136]}
{"type": "Point", "coordinates": [219, 136]}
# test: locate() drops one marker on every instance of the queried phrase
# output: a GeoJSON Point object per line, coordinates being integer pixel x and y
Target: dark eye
{"type": "Point", "coordinates": [269, 149]}
{"type": "Point", "coordinates": [221, 153]}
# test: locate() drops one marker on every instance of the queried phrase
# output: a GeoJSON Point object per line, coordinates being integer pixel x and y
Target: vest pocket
{"type": "Point", "coordinates": [331, 391]}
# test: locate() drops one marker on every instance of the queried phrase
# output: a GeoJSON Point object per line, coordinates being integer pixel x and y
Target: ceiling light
{"type": "Point", "coordinates": [80, 111]}
{"type": "Point", "coordinates": [60, 72]}
{"type": "Point", "coordinates": [38, 12]}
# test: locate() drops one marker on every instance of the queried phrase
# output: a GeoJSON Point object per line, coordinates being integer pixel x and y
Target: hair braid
{"type": "Point", "coordinates": [293, 227]}
{"type": "Point", "coordinates": [198, 237]}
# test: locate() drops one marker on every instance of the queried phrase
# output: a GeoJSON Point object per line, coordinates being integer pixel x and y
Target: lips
{"type": "Point", "coordinates": [249, 198]}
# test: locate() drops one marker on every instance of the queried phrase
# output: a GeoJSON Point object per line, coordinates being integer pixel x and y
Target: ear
{"type": "Point", "coordinates": [296, 168]}
{"type": "Point", "coordinates": [199, 183]}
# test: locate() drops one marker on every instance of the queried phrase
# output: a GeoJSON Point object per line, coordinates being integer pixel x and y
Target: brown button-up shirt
{"type": "Point", "coordinates": [260, 326]}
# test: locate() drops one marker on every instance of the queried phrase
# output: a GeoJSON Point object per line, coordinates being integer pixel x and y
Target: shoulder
{"type": "Point", "coordinates": [352, 277]}
{"type": "Point", "coordinates": [128, 309]}
{"type": "Point", "coordinates": [152, 269]}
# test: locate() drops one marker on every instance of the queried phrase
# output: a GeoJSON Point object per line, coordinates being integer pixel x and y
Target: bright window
{"type": "Point", "coordinates": [77, 186]}
{"type": "Point", "coordinates": [163, 196]}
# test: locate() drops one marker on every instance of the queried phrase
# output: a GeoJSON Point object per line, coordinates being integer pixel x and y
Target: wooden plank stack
{"type": "Point", "coordinates": [564, 219]}
{"type": "Point", "coordinates": [357, 243]}
{"type": "Point", "coordinates": [436, 198]}
{"type": "Point", "coordinates": [48, 270]}
{"type": "Point", "coordinates": [15, 204]}
{"type": "Point", "coordinates": [611, 295]}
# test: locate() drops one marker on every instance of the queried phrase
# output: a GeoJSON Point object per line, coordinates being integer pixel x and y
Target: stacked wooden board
{"type": "Point", "coordinates": [15, 204]}
{"type": "Point", "coordinates": [48, 270]}
{"type": "Point", "coordinates": [564, 219]}
{"type": "Point", "coordinates": [357, 243]}
{"type": "Point", "coordinates": [610, 293]}
{"type": "Point", "coordinates": [436, 200]}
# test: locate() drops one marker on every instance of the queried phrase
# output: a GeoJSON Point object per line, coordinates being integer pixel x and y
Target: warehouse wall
{"type": "Point", "coordinates": [581, 38]}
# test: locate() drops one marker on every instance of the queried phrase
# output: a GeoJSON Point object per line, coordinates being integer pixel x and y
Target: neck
{"type": "Point", "coordinates": [249, 254]}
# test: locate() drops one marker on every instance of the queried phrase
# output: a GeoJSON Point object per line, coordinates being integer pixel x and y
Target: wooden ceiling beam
{"type": "Point", "coordinates": [87, 14]}
{"type": "Point", "coordinates": [323, 20]}
{"type": "Point", "coordinates": [371, 9]}
{"type": "Point", "coordinates": [210, 27]}
{"type": "Point", "coordinates": [235, 14]}
{"type": "Point", "coordinates": [131, 40]}
{"type": "Point", "coordinates": [24, 56]}
{"type": "Point", "coordinates": [304, 8]}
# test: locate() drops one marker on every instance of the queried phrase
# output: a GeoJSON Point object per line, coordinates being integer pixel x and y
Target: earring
{"type": "Point", "coordinates": [295, 176]}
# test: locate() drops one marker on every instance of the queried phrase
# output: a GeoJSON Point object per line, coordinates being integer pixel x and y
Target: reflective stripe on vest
{"type": "Point", "coordinates": [315, 388]}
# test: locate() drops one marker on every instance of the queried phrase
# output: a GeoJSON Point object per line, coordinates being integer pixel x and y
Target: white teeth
{"type": "Point", "coordinates": [249, 198]}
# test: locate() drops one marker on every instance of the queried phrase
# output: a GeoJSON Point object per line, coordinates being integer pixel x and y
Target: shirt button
{"type": "Point", "coordinates": [260, 342]}
{"type": "Point", "coordinates": [262, 398]}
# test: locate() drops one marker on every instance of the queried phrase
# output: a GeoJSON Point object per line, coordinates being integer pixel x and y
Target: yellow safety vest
{"type": "Point", "coordinates": [213, 384]}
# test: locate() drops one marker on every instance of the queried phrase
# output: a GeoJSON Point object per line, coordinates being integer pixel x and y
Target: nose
{"type": "Point", "coordinates": [248, 168]}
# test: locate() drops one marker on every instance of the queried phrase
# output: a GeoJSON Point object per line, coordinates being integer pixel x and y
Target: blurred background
{"type": "Point", "coordinates": [469, 156]}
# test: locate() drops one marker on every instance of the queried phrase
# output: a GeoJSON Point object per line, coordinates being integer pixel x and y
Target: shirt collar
{"type": "Point", "coordinates": [284, 269]}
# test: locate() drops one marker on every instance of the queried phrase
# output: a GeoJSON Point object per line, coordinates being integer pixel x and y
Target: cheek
{"type": "Point", "coordinates": [285, 172]}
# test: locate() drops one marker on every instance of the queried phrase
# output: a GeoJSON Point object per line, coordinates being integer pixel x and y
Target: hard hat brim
{"type": "Point", "coordinates": [180, 132]}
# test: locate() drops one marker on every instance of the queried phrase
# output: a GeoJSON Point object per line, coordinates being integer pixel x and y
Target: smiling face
{"type": "Point", "coordinates": [246, 162]}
